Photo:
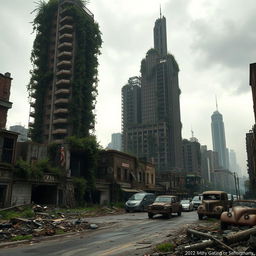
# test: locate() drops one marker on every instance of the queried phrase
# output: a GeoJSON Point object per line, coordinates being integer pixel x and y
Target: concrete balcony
{"type": "Point", "coordinates": [60, 121]}
{"type": "Point", "coordinates": [61, 101]}
{"type": "Point", "coordinates": [65, 46]}
{"type": "Point", "coordinates": [32, 114]}
{"type": "Point", "coordinates": [66, 28]}
{"type": "Point", "coordinates": [58, 141]}
{"type": "Point", "coordinates": [61, 111]}
{"type": "Point", "coordinates": [62, 91]}
{"type": "Point", "coordinates": [66, 55]}
{"type": "Point", "coordinates": [60, 131]}
{"type": "Point", "coordinates": [66, 20]}
{"type": "Point", "coordinates": [67, 37]}
{"type": "Point", "coordinates": [32, 104]}
{"type": "Point", "coordinates": [64, 63]}
{"type": "Point", "coordinates": [64, 72]}
{"type": "Point", "coordinates": [63, 82]}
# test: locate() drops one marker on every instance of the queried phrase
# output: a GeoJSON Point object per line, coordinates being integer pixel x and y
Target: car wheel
{"type": "Point", "coordinates": [179, 213]}
{"type": "Point", "coordinates": [200, 216]}
{"type": "Point", "coordinates": [169, 215]}
{"type": "Point", "coordinates": [150, 215]}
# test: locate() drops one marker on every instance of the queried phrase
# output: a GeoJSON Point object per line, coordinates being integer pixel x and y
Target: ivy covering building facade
{"type": "Point", "coordinates": [63, 84]}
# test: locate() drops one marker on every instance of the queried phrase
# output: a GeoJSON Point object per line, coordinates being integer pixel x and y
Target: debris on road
{"type": "Point", "coordinates": [210, 239]}
{"type": "Point", "coordinates": [46, 221]}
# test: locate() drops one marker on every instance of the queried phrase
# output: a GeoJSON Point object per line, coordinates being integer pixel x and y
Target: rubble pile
{"type": "Point", "coordinates": [45, 223]}
{"type": "Point", "coordinates": [211, 240]}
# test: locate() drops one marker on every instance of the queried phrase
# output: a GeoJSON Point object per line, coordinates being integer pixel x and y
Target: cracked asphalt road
{"type": "Point", "coordinates": [127, 234]}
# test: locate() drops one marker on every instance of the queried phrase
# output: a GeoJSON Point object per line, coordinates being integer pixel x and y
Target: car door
{"type": "Point", "coordinates": [174, 204]}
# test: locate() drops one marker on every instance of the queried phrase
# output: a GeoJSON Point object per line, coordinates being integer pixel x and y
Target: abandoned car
{"type": "Point", "coordinates": [243, 213]}
{"type": "Point", "coordinates": [139, 202]}
{"type": "Point", "coordinates": [187, 205]}
{"type": "Point", "coordinates": [196, 201]}
{"type": "Point", "coordinates": [213, 204]}
{"type": "Point", "coordinates": [165, 205]}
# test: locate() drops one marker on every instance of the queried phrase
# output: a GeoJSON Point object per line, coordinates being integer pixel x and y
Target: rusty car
{"type": "Point", "coordinates": [165, 205]}
{"type": "Point", "coordinates": [213, 204]}
{"type": "Point", "coordinates": [243, 213]}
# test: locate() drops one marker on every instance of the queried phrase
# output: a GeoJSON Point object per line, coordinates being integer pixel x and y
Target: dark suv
{"type": "Point", "coordinates": [165, 205]}
{"type": "Point", "coordinates": [139, 202]}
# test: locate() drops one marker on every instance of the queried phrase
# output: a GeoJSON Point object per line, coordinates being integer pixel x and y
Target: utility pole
{"type": "Point", "coordinates": [235, 184]}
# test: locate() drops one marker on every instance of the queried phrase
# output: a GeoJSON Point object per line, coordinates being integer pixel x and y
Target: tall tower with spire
{"type": "Point", "coordinates": [157, 137]}
{"type": "Point", "coordinates": [218, 138]}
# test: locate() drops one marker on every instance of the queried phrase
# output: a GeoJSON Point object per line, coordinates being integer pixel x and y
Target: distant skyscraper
{"type": "Point", "coordinates": [192, 155]}
{"type": "Point", "coordinates": [131, 102]}
{"type": "Point", "coordinates": [233, 166]}
{"type": "Point", "coordinates": [116, 141]}
{"type": "Point", "coordinates": [157, 137]}
{"type": "Point", "coordinates": [218, 139]}
{"type": "Point", "coordinates": [23, 132]}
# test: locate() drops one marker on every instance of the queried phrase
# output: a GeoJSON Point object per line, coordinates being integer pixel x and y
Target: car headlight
{"type": "Point", "coordinates": [246, 217]}
{"type": "Point", "coordinates": [218, 209]}
{"type": "Point", "coordinates": [229, 214]}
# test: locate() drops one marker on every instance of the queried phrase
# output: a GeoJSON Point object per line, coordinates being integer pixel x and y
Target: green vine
{"type": "Point", "coordinates": [88, 40]}
{"type": "Point", "coordinates": [84, 84]}
{"type": "Point", "coordinates": [24, 170]}
{"type": "Point", "coordinates": [41, 75]}
{"type": "Point", "coordinates": [88, 150]}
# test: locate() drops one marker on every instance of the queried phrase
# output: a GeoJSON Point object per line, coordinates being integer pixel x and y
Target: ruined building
{"type": "Point", "coordinates": [251, 136]}
{"type": "Point", "coordinates": [5, 104]}
{"type": "Point", "coordinates": [151, 109]}
{"type": "Point", "coordinates": [63, 82]}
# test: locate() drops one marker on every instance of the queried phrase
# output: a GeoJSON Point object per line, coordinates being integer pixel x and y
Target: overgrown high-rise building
{"type": "Point", "coordinates": [64, 76]}
{"type": "Point", "coordinates": [157, 136]}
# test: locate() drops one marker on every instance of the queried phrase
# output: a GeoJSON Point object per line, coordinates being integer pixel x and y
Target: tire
{"type": "Point", "coordinates": [150, 215]}
{"type": "Point", "coordinates": [179, 213]}
{"type": "Point", "coordinates": [200, 216]}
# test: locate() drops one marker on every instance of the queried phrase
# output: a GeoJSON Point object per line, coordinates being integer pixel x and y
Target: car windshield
{"type": "Point", "coordinates": [229, 196]}
{"type": "Point", "coordinates": [245, 204]}
{"type": "Point", "coordinates": [137, 197]}
{"type": "Point", "coordinates": [211, 197]}
{"type": "Point", "coordinates": [184, 201]}
{"type": "Point", "coordinates": [163, 199]}
{"type": "Point", "coordinates": [196, 198]}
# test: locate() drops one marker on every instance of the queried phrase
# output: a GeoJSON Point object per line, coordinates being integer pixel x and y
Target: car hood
{"type": "Point", "coordinates": [161, 203]}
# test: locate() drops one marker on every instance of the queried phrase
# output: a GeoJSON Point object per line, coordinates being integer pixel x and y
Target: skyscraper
{"type": "Point", "coordinates": [218, 139]}
{"type": "Point", "coordinates": [64, 76]}
{"type": "Point", "coordinates": [157, 137]}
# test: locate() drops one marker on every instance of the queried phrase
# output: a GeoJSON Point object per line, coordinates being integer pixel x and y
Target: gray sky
{"type": "Point", "coordinates": [213, 41]}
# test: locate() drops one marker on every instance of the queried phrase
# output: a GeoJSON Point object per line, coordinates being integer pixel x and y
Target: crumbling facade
{"type": "Point", "coordinates": [119, 173]}
{"type": "Point", "coordinates": [5, 104]}
{"type": "Point", "coordinates": [251, 137]}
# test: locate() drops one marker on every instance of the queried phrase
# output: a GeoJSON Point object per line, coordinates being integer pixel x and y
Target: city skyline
{"type": "Point", "coordinates": [211, 41]}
